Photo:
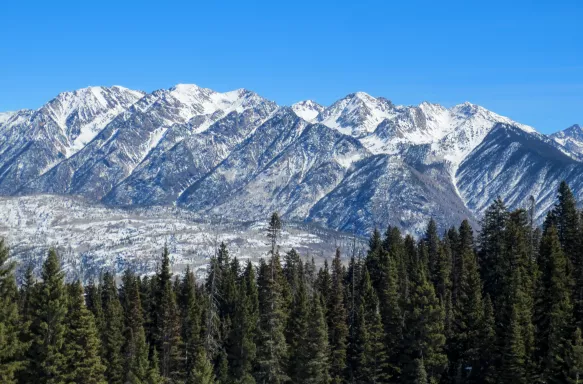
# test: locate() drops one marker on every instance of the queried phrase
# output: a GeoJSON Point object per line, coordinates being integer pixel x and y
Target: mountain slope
{"type": "Point", "coordinates": [34, 141]}
{"type": "Point", "coordinates": [184, 156]}
{"type": "Point", "coordinates": [125, 142]}
{"type": "Point", "coordinates": [514, 165]}
{"type": "Point", "coordinates": [359, 163]}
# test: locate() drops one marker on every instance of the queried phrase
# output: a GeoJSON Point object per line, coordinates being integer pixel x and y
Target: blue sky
{"type": "Point", "coordinates": [523, 59]}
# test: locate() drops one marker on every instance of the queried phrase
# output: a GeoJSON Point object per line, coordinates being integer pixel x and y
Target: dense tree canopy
{"type": "Point", "coordinates": [502, 307]}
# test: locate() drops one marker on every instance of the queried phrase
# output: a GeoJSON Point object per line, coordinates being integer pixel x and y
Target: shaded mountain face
{"type": "Point", "coordinates": [514, 165]}
{"type": "Point", "coordinates": [361, 163]}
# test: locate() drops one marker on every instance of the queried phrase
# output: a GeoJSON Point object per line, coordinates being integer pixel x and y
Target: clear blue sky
{"type": "Point", "coordinates": [523, 59]}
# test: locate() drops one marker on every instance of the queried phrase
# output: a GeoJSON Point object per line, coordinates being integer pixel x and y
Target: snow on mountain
{"type": "Point", "coordinates": [81, 114]}
{"type": "Point", "coordinates": [570, 138]}
{"type": "Point", "coordinates": [387, 128]}
{"type": "Point", "coordinates": [307, 109]}
{"type": "Point", "coordinates": [183, 156]}
{"type": "Point", "coordinates": [91, 237]}
{"type": "Point", "coordinates": [5, 116]}
{"type": "Point", "coordinates": [360, 163]}
{"type": "Point", "coordinates": [358, 114]}
{"type": "Point", "coordinates": [14, 118]}
{"type": "Point", "coordinates": [515, 164]}
{"type": "Point", "coordinates": [466, 127]}
{"type": "Point", "coordinates": [289, 181]}
{"type": "Point", "coordinates": [384, 190]}
{"type": "Point", "coordinates": [124, 143]}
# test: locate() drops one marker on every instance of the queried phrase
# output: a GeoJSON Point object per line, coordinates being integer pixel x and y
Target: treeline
{"type": "Point", "coordinates": [504, 307]}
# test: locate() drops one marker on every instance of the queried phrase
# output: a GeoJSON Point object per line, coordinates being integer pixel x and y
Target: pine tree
{"type": "Point", "coordinates": [191, 314]}
{"type": "Point", "coordinates": [274, 231]}
{"type": "Point", "coordinates": [112, 334]}
{"type": "Point", "coordinates": [135, 349]}
{"type": "Point", "coordinates": [324, 282]}
{"type": "Point", "coordinates": [567, 221]}
{"type": "Point", "coordinates": [154, 376]}
{"type": "Point", "coordinates": [468, 315]}
{"type": "Point", "coordinates": [492, 254]}
{"type": "Point", "coordinates": [166, 321]}
{"type": "Point", "coordinates": [514, 355]}
{"type": "Point", "coordinates": [46, 359]}
{"type": "Point", "coordinates": [487, 370]}
{"type": "Point", "coordinates": [296, 331]}
{"type": "Point", "coordinates": [554, 320]}
{"type": "Point", "coordinates": [575, 361]}
{"type": "Point", "coordinates": [315, 349]}
{"type": "Point", "coordinates": [420, 372]}
{"type": "Point", "coordinates": [520, 284]}
{"type": "Point", "coordinates": [373, 257]}
{"type": "Point", "coordinates": [391, 315]}
{"type": "Point", "coordinates": [202, 372]}
{"type": "Point", "coordinates": [26, 291]}
{"type": "Point", "coordinates": [336, 321]}
{"type": "Point", "coordinates": [82, 344]}
{"type": "Point", "coordinates": [432, 243]}
{"type": "Point", "coordinates": [395, 247]}
{"type": "Point", "coordinates": [271, 346]}
{"type": "Point", "coordinates": [93, 298]}
{"type": "Point", "coordinates": [293, 270]}
{"type": "Point", "coordinates": [424, 336]}
{"type": "Point", "coordinates": [12, 347]}
{"type": "Point", "coordinates": [373, 362]}
{"type": "Point", "coordinates": [243, 350]}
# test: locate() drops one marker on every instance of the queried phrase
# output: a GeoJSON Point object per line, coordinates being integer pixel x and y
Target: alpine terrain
{"type": "Point", "coordinates": [360, 163]}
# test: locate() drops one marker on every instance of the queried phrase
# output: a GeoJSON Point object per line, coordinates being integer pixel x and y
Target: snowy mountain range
{"type": "Point", "coordinates": [362, 162]}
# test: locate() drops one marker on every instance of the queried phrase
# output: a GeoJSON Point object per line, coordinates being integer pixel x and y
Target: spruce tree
{"type": "Point", "coordinates": [324, 283]}
{"type": "Point", "coordinates": [135, 348]}
{"type": "Point", "coordinates": [12, 347]}
{"type": "Point", "coordinates": [315, 348]}
{"type": "Point", "coordinates": [166, 321]}
{"type": "Point", "coordinates": [492, 255]}
{"type": "Point", "coordinates": [112, 333]}
{"type": "Point", "coordinates": [26, 290]}
{"type": "Point", "coordinates": [94, 304]}
{"type": "Point", "coordinates": [271, 346]}
{"type": "Point", "coordinates": [373, 257]}
{"type": "Point", "coordinates": [391, 316]}
{"type": "Point", "coordinates": [432, 243]}
{"type": "Point", "coordinates": [336, 320]}
{"type": "Point", "coordinates": [46, 359]}
{"type": "Point", "coordinates": [554, 320]}
{"type": "Point", "coordinates": [82, 345]}
{"type": "Point", "coordinates": [202, 372]}
{"type": "Point", "coordinates": [514, 353]}
{"type": "Point", "coordinates": [567, 221]}
{"type": "Point", "coordinates": [242, 348]}
{"type": "Point", "coordinates": [424, 336]}
{"type": "Point", "coordinates": [296, 331]}
{"type": "Point", "coordinates": [395, 247]}
{"type": "Point", "coordinates": [373, 365]}
{"type": "Point", "coordinates": [191, 314]}
{"type": "Point", "coordinates": [487, 370]}
{"type": "Point", "coordinates": [468, 319]}
{"type": "Point", "coordinates": [154, 376]}
{"type": "Point", "coordinates": [575, 361]}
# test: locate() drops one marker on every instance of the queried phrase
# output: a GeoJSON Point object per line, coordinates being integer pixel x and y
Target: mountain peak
{"type": "Point", "coordinates": [571, 139]}
{"type": "Point", "coordinates": [307, 109]}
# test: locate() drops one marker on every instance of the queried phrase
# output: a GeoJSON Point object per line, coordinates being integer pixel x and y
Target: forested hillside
{"type": "Point", "coordinates": [504, 305]}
